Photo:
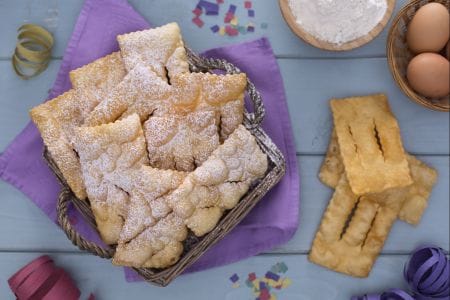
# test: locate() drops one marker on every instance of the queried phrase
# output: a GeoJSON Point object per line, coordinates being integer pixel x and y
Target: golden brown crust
{"type": "Point", "coordinates": [99, 76]}
{"type": "Point", "coordinates": [105, 149]}
{"type": "Point", "coordinates": [56, 120]}
{"type": "Point", "coordinates": [414, 197]}
{"type": "Point", "coordinates": [370, 144]}
{"type": "Point", "coordinates": [352, 250]}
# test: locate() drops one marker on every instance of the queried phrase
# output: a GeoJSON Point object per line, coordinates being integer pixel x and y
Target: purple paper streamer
{"type": "Point", "coordinates": [428, 275]}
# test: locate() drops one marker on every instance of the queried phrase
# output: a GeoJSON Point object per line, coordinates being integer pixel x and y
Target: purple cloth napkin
{"type": "Point", "coordinates": [272, 222]}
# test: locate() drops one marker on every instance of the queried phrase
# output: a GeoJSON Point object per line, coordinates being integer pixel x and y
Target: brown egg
{"type": "Point", "coordinates": [428, 74]}
{"type": "Point", "coordinates": [429, 30]}
{"type": "Point", "coordinates": [447, 52]}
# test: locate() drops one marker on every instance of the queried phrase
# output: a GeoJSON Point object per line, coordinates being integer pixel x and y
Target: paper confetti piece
{"type": "Point", "coordinates": [234, 278]}
{"type": "Point", "coordinates": [283, 268]}
{"type": "Point", "coordinates": [250, 28]}
{"type": "Point", "coordinates": [251, 13]}
{"type": "Point", "coordinates": [234, 21]}
{"type": "Point", "coordinates": [286, 282]}
{"type": "Point", "coordinates": [264, 25]}
{"type": "Point", "coordinates": [197, 21]}
{"type": "Point", "coordinates": [215, 28]}
{"type": "Point", "coordinates": [252, 276]}
{"type": "Point", "coordinates": [272, 276]}
{"type": "Point", "coordinates": [249, 283]}
{"type": "Point", "coordinates": [242, 29]}
{"type": "Point", "coordinates": [222, 30]}
{"type": "Point", "coordinates": [264, 294]}
{"type": "Point", "coordinates": [248, 4]}
{"type": "Point", "coordinates": [209, 7]}
{"type": "Point", "coordinates": [219, 1]}
{"type": "Point", "coordinates": [232, 9]}
{"type": "Point", "coordinates": [231, 31]}
{"type": "Point", "coordinates": [235, 285]}
{"type": "Point", "coordinates": [228, 17]}
{"type": "Point", "coordinates": [197, 11]}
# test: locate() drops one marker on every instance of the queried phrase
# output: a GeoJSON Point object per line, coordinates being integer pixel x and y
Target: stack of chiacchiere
{"type": "Point", "coordinates": [155, 149]}
{"type": "Point", "coordinates": [375, 182]}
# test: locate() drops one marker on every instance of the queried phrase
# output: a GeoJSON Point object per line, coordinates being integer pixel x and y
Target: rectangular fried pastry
{"type": "Point", "coordinates": [220, 182]}
{"type": "Point", "coordinates": [160, 48]}
{"type": "Point", "coordinates": [151, 236]}
{"type": "Point", "coordinates": [57, 118]}
{"type": "Point", "coordinates": [352, 246]}
{"type": "Point", "coordinates": [370, 144]}
{"type": "Point", "coordinates": [414, 197]}
{"type": "Point", "coordinates": [105, 149]}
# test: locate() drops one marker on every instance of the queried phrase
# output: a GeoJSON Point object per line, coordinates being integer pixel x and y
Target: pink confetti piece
{"type": "Point", "coordinates": [248, 4]}
{"type": "Point", "coordinates": [197, 11]}
{"type": "Point", "coordinates": [231, 31]}
{"type": "Point", "coordinates": [197, 21]}
{"type": "Point", "coordinates": [228, 17]}
{"type": "Point", "coordinates": [219, 1]}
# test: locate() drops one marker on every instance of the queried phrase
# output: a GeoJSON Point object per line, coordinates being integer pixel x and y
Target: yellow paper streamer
{"type": "Point", "coordinates": [33, 51]}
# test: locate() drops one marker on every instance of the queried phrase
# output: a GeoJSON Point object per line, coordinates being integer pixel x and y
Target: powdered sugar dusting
{"type": "Point", "coordinates": [338, 21]}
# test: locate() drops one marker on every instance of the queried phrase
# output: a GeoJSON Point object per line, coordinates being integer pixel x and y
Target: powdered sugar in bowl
{"type": "Point", "coordinates": [337, 25]}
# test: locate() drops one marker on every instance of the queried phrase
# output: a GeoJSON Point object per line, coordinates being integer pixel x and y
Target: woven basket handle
{"type": "Point", "coordinates": [199, 64]}
{"type": "Point", "coordinates": [65, 198]}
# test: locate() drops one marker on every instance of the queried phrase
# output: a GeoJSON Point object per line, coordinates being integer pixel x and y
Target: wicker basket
{"type": "Point", "coordinates": [194, 246]}
{"type": "Point", "coordinates": [312, 40]}
{"type": "Point", "coordinates": [399, 56]}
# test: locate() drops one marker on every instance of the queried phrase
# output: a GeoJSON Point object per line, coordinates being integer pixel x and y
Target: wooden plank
{"type": "Point", "coordinates": [310, 83]}
{"type": "Point", "coordinates": [60, 16]}
{"type": "Point", "coordinates": [307, 92]}
{"type": "Point", "coordinates": [32, 229]}
{"type": "Point", "coordinates": [309, 281]}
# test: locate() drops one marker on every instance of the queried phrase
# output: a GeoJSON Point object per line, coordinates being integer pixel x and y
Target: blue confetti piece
{"type": "Point", "coordinates": [251, 13]}
{"type": "Point", "coordinates": [273, 276]}
{"type": "Point", "coordinates": [210, 7]}
{"type": "Point", "coordinates": [232, 9]}
{"type": "Point", "coordinates": [215, 28]}
{"type": "Point", "coordinates": [234, 278]}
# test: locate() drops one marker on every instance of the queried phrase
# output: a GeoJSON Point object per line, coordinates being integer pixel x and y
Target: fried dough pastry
{"type": "Point", "coordinates": [370, 144]}
{"type": "Point", "coordinates": [220, 182]}
{"type": "Point", "coordinates": [181, 143]}
{"type": "Point", "coordinates": [105, 149]}
{"type": "Point", "coordinates": [57, 118]}
{"type": "Point", "coordinates": [415, 195]}
{"type": "Point", "coordinates": [151, 235]}
{"type": "Point", "coordinates": [143, 92]}
{"type": "Point", "coordinates": [140, 92]}
{"type": "Point", "coordinates": [160, 48]}
{"type": "Point", "coordinates": [100, 76]}
{"type": "Point", "coordinates": [353, 249]}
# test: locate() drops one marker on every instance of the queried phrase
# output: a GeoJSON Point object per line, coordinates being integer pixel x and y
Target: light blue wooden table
{"type": "Point", "coordinates": [311, 78]}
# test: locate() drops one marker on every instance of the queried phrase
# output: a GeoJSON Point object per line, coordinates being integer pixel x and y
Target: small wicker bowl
{"type": "Point", "coordinates": [399, 56]}
{"type": "Point", "coordinates": [312, 40]}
